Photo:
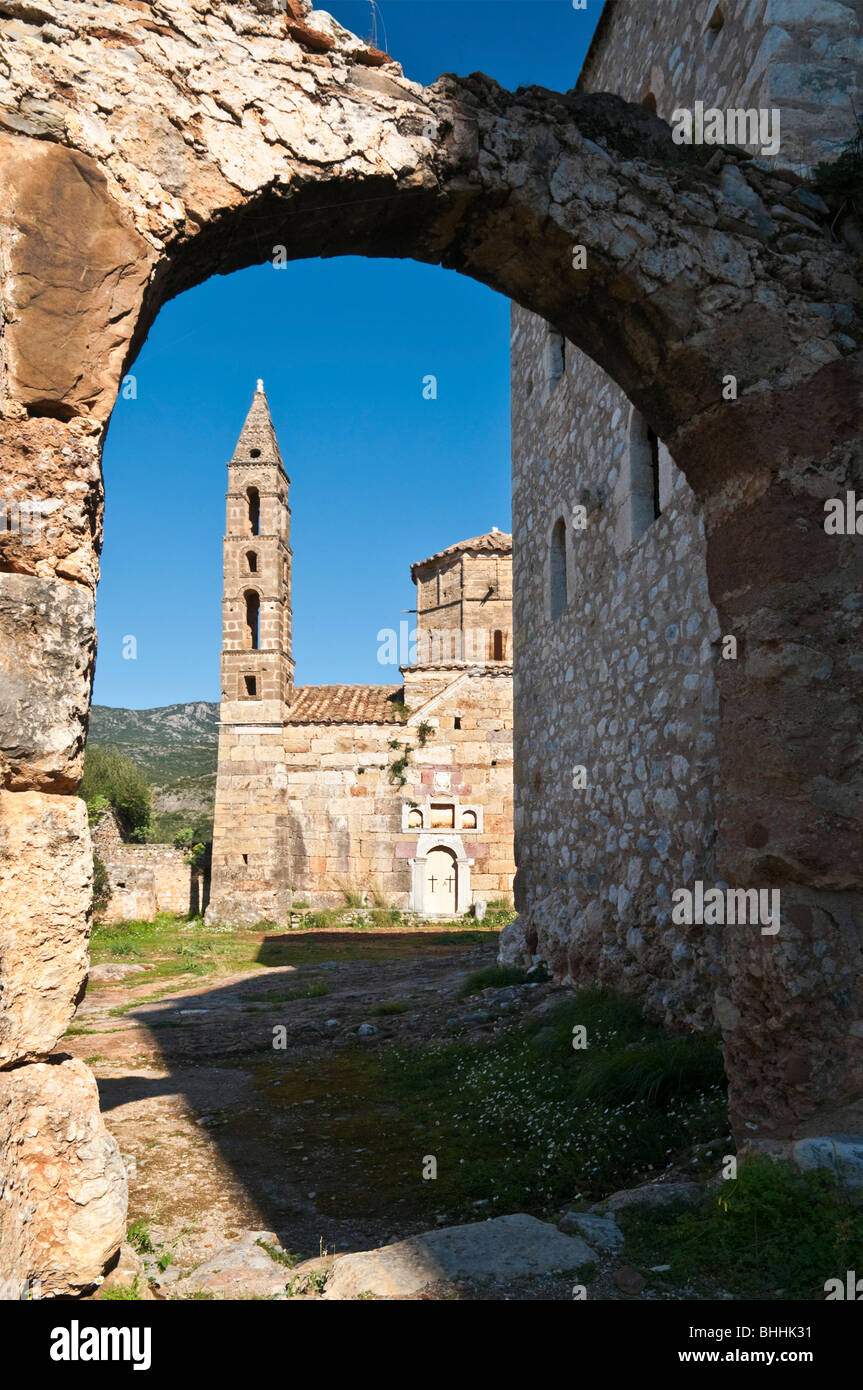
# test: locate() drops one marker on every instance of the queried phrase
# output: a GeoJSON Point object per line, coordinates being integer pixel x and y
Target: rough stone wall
{"type": "Point", "coordinates": [146, 880]}
{"type": "Point", "coordinates": [626, 683]}
{"type": "Point", "coordinates": [803, 57]}
{"type": "Point", "coordinates": [622, 684]}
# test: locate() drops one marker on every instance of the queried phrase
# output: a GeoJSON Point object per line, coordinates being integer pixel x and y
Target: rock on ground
{"type": "Point", "coordinates": [113, 970]}
{"type": "Point", "coordinates": [127, 1273]}
{"type": "Point", "coordinates": [601, 1231]}
{"type": "Point", "coordinates": [654, 1195]}
{"type": "Point", "coordinates": [240, 1269]}
{"type": "Point", "coordinates": [842, 1153]}
{"type": "Point", "coordinates": [503, 1248]}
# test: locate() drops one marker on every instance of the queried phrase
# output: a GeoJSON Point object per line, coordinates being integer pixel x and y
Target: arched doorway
{"type": "Point", "coordinates": [441, 882]}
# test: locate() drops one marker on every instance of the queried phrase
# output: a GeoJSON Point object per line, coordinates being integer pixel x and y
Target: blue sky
{"type": "Point", "coordinates": [380, 476]}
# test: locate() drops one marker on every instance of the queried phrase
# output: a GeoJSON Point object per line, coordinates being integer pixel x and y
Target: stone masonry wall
{"type": "Point", "coordinates": [637, 708]}
{"type": "Point", "coordinates": [800, 56]}
{"type": "Point", "coordinates": [145, 880]}
{"type": "Point", "coordinates": [323, 796]}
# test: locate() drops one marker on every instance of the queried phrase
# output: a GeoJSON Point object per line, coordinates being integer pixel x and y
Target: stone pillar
{"type": "Point", "coordinates": [62, 1185]}
{"type": "Point", "coordinates": [791, 791]}
{"type": "Point", "coordinates": [73, 275]}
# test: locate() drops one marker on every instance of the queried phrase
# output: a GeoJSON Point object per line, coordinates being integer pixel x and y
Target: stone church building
{"type": "Point", "coordinates": [399, 793]}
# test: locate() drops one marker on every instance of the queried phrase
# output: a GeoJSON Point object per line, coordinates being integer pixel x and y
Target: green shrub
{"type": "Point", "coordinates": [101, 886]}
{"type": "Point", "coordinates": [138, 1236]}
{"type": "Point", "coordinates": [384, 917]}
{"type": "Point", "coordinates": [324, 917]}
{"type": "Point", "coordinates": [499, 913]}
{"type": "Point", "coordinates": [843, 177]}
{"type": "Point", "coordinates": [110, 778]}
{"type": "Point", "coordinates": [769, 1232]}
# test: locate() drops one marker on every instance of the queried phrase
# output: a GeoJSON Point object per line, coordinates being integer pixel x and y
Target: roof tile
{"type": "Point", "coordinates": [346, 704]}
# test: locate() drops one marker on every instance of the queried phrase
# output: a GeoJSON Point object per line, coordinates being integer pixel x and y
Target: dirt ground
{"type": "Point", "coordinates": [222, 1132]}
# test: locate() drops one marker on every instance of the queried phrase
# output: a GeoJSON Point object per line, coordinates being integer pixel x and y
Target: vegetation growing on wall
{"type": "Point", "coordinates": [112, 779]}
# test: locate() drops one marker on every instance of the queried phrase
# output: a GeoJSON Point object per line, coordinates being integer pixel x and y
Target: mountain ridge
{"type": "Point", "coordinates": [176, 749]}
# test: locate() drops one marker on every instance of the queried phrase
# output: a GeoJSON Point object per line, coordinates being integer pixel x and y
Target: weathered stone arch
{"type": "Point", "coordinates": [145, 148]}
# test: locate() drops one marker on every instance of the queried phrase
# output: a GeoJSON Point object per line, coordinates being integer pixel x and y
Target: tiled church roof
{"type": "Point", "coordinates": [492, 542]}
{"type": "Point", "coordinates": [346, 704]}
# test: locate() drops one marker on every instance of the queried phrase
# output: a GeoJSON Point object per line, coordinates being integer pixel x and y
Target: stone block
{"type": "Point", "coordinates": [508, 1247]}
{"type": "Point", "coordinates": [47, 651]}
{"type": "Point", "coordinates": [841, 1153]}
{"type": "Point", "coordinates": [63, 1213]}
{"type": "Point", "coordinates": [46, 889]}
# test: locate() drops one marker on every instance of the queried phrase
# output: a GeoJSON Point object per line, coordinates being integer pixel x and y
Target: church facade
{"type": "Point", "coordinates": [401, 795]}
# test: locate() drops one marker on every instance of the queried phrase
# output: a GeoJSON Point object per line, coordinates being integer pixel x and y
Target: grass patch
{"type": "Point", "coordinates": [118, 1295]}
{"type": "Point", "coordinates": [138, 1236]}
{"type": "Point", "coordinates": [391, 1006]}
{"type": "Point", "coordinates": [322, 919]}
{"type": "Point", "coordinates": [528, 1123]}
{"type": "Point", "coordinates": [655, 1071]}
{"type": "Point", "coordinates": [384, 917]}
{"type": "Point", "coordinates": [499, 913]}
{"type": "Point", "coordinates": [769, 1233]}
{"type": "Point", "coordinates": [279, 1257]}
{"type": "Point", "coordinates": [493, 977]}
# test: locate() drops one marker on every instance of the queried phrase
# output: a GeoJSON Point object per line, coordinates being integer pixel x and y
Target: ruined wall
{"type": "Point", "coordinates": [146, 880]}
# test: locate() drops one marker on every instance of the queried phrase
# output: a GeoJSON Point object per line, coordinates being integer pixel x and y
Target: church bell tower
{"type": "Point", "coordinates": [257, 666]}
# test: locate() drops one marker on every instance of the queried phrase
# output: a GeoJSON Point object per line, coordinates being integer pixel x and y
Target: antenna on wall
{"type": "Point", "coordinates": [373, 36]}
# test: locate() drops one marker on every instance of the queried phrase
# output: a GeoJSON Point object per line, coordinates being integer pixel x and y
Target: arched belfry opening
{"type": "Point", "coordinates": [253, 619]}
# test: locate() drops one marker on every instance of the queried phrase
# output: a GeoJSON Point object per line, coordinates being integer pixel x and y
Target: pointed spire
{"type": "Point", "coordinates": [258, 434]}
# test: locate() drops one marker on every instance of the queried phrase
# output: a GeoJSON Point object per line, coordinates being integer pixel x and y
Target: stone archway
{"type": "Point", "coordinates": [144, 151]}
